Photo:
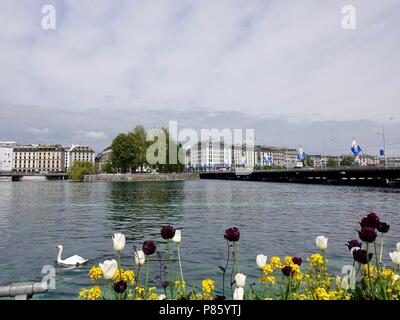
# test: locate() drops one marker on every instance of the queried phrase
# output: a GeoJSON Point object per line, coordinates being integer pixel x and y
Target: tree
{"type": "Point", "coordinates": [167, 152]}
{"type": "Point", "coordinates": [79, 169]}
{"type": "Point", "coordinates": [109, 167]}
{"type": "Point", "coordinates": [308, 162]}
{"type": "Point", "coordinates": [123, 152]}
{"type": "Point", "coordinates": [137, 137]}
{"type": "Point", "coordinates": [347, 161]}
{"type": "Point", "coordinates": [331, 163]}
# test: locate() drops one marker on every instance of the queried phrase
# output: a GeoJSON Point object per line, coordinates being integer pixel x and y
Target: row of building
{"type": "Point", "coordinates": [41, 158]}
{"type": "Point", "coordinates": [217, 155]}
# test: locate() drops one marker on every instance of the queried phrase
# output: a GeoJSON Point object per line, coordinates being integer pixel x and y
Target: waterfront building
{"type": "Point", "coordinates": [102, 158]}
{"type": "Point", "coordinates": [392, 162]}
{"type": "Point", "coordinates": [274, 156]}
{"type": "Point", "coordinates": [39, 158]}
{"type": "Point", "coordinates": [78, 153]}
{"type": "Point", "coordinates": [209, 154]}
{"type": "Point", "coordinates": [6, 155]}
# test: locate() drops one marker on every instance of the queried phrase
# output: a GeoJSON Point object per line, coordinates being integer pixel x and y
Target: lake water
{"type": "Point", "coordinates": [274, 219]}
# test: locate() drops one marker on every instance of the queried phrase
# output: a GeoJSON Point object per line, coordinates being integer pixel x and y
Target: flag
{"type": "Point", "coordinates": [355, 148]}
{"type": "Point", "coordinates": [301, 155]}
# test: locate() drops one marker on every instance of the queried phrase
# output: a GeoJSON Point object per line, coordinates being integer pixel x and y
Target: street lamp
{"type": "Point", "coordinates": [384, 141]}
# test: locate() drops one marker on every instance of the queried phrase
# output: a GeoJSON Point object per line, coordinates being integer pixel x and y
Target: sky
{"type": "Point", "coordinates": [286, 69]}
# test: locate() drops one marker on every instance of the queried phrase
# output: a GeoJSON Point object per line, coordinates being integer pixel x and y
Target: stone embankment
{"type": "Point", "coordinates": [142, 177]}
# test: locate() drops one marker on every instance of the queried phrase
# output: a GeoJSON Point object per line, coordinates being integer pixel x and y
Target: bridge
{"type": "Point", "coordinates": [17, 176]}
{"type": "Point", "coordinates": [361, 176]}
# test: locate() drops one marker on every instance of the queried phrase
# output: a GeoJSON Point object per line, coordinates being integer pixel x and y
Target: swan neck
{"type": "Point", "coordinates": [59, 254]}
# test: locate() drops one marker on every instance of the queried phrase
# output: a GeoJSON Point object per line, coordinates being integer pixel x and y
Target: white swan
{"type": "Point", "coordinates": [71, 261]}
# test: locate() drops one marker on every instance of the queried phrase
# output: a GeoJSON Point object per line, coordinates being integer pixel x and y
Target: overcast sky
{"type": "Point", "coordinates": [285, 68]}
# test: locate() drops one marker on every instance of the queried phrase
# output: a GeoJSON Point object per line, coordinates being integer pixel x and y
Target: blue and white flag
{"type": "Point", "coordinates": [301, 155]}
{"type": "Point", "coordinates": [355, 148]}
{"type": "Point", "coordinates": [268, 160]}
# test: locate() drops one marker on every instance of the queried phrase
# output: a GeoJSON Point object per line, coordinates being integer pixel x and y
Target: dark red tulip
{"type": "Point", "coordinates": [167, 232]}
{"type": "Point", "coordinates": [297, 260]}
{"type": "Point", "coordinates": [383, 227]}
{"type": "Point", "coordinates": [361, 256]}
{"type": "Point", "coordinates": [120, 286]}
{"type": "Point", "coordinates": [149, 247]}
{"type": "Point", "coordinates": [287, 271]}
{"type": "Point", "coordinates": [367, 234]}
{"type": "Point", "coordinates": [354, 244]}
{"type": "Point", "coordinates": [232, 234]}
{"type": "Point", "coordinates": [373, 220]}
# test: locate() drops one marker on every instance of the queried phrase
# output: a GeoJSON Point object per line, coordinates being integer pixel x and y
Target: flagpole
{"type": "Point", "coordinates": [384, 145]}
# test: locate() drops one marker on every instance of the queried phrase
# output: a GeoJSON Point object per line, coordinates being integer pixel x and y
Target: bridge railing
{"type": "Point", "coordinates": [23, 290]}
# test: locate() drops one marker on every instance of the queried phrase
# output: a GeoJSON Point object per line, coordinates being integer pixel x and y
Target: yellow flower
{"type": "Point", "coordinates": [316, 260]}
{"type": "Point", "coordinates": [268, 269]}
{"type": "Point", "coordinates": [94, 293]}
{"type": "Point", "coordinates": [83, 293]}
{"type": "Point", "coordinates": [321, 294]}
{"type": "Point", "coordinates": [268, 299]}
{"type": "Point", "coordinates": [140, 290]}
{"type": "Point", "coordinates": [153, 296]}
{"type": "Point", "coordinates": [387, 273]}
{"type": "Point", "coordinates": [180, 284]}
{"type": "Point", "coordinates": [129, 276]}
{"type": "Point", "coordinates": [208, 285]}
{"type": "Point", "coordinates": [276, 263]}
{"type": "Point", "coordinates": [287, 261]}
{"type": "Point", "coordinates": [118, 276]}
{"type": "Point", "coordinates": [95, 273]}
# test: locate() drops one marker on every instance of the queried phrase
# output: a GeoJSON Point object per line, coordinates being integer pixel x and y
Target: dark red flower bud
{"type": "Point", "coordinates": [287, 271]}
{"type": "Point", "coordinates": [232, 234]}
{"type": "Point", "coordinates": [360, 255]}
{"type": "Point", "coordinates": [120, 286]}
{"type": "Point", "coordinates": [297, 260]}
{"type": "Point", "coordinates": [354, 244]}
{"type": "Point", "coordinates": [367, 234]}
{"type": "Point", "coordinates": [383, 227]}
{"type": "Point", "coordinates": [149, 247]}
{"type": "Point", "coordinates": [167, 232]}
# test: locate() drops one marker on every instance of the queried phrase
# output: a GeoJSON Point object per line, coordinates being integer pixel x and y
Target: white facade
{"type": "Point", "coordinates": [208, 154]}
{"type": "Point", "coordinates": [78, 153]}
{"type": "Point", "coordinates": [6, 159]}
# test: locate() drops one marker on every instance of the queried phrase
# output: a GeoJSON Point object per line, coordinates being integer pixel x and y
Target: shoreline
{"type": "Point", "coordinates": [128, 177]}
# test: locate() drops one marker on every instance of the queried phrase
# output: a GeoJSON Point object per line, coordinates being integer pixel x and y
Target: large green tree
{"type": "Point", "coordinates": [79, 169]}
{"type": "Point", "coordinates": [123, 153]}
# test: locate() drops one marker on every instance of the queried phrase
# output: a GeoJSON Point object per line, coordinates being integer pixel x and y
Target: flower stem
{"type": "Point", "coordinates": [147, 274]}
{"type": "Point", "coordinates": [380, 254]}
{"type": "Point", "coordinates": [236, 257]}
{"type": "Point", "coordinates": [171, 289]}
{"type": "Point", "coordinates": [180, 263]}
{"type": "Point", "coordinates": [111, 289]}
{"type": "Point", "coordinates": [226, 267]}
{"type": "Point", "coordinates": [368, 269]}
{"type": "Point", "coordinates": [378, 266]}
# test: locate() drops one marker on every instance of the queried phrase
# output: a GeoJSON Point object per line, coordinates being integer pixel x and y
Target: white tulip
{"type": "Point", "coordinates": [394, 279]}
{"type": "Point", "coordinates": [240, 279]}
{"type": "Point", "coordinates": [398, 247]}
{"type": "Point", "coordinates": [118, 241]}
{"type": "Point", "coordinates": [177, 237]}
{"type": "Point", "coordinates": [395, 256]}
{"type": "Point", "coordinates": [322, 242]}
{"type": "Point", "coordinates": [140, 258]}
{"type": "Point", "coordinates": [109, 268]}
{"type": "Point", "coordinates": [261, 261]}
{"type": "Point", "coordinates": [238, 294]}
{"type": "Point", "coordinates": [162, 297]}
{"type": "Point", "coordinates": [342, 283]}
{"type": "Point", "coordinates": [338, 282]}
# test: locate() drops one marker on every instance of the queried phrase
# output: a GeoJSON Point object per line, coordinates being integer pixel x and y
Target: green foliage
{"type": "Point", "coordinates": [79, 169]}
{"type": "Point", "coordinates": [308, 162]}
{"type": "Point", "coordinates": [347, 161]}
{"type": "Point", "coordinates": [109, 167]}
{"type": "Point", "coordinates": [331, 163]}
{"type": "Point", "coordinates": [129, 152]}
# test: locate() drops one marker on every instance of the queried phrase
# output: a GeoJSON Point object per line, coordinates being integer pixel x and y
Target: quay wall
{"type": "Point", "coordinates": [142, 177]}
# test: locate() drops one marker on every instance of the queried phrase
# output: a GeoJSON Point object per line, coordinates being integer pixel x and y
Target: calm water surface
{"type": "Point", "coordinates": [274, 219]}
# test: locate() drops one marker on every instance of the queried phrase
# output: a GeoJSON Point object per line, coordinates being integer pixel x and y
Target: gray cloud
{"type": "Point", "coordinates": [316, 136]}
{"type": "Point", "coordinates": [286, 68]}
